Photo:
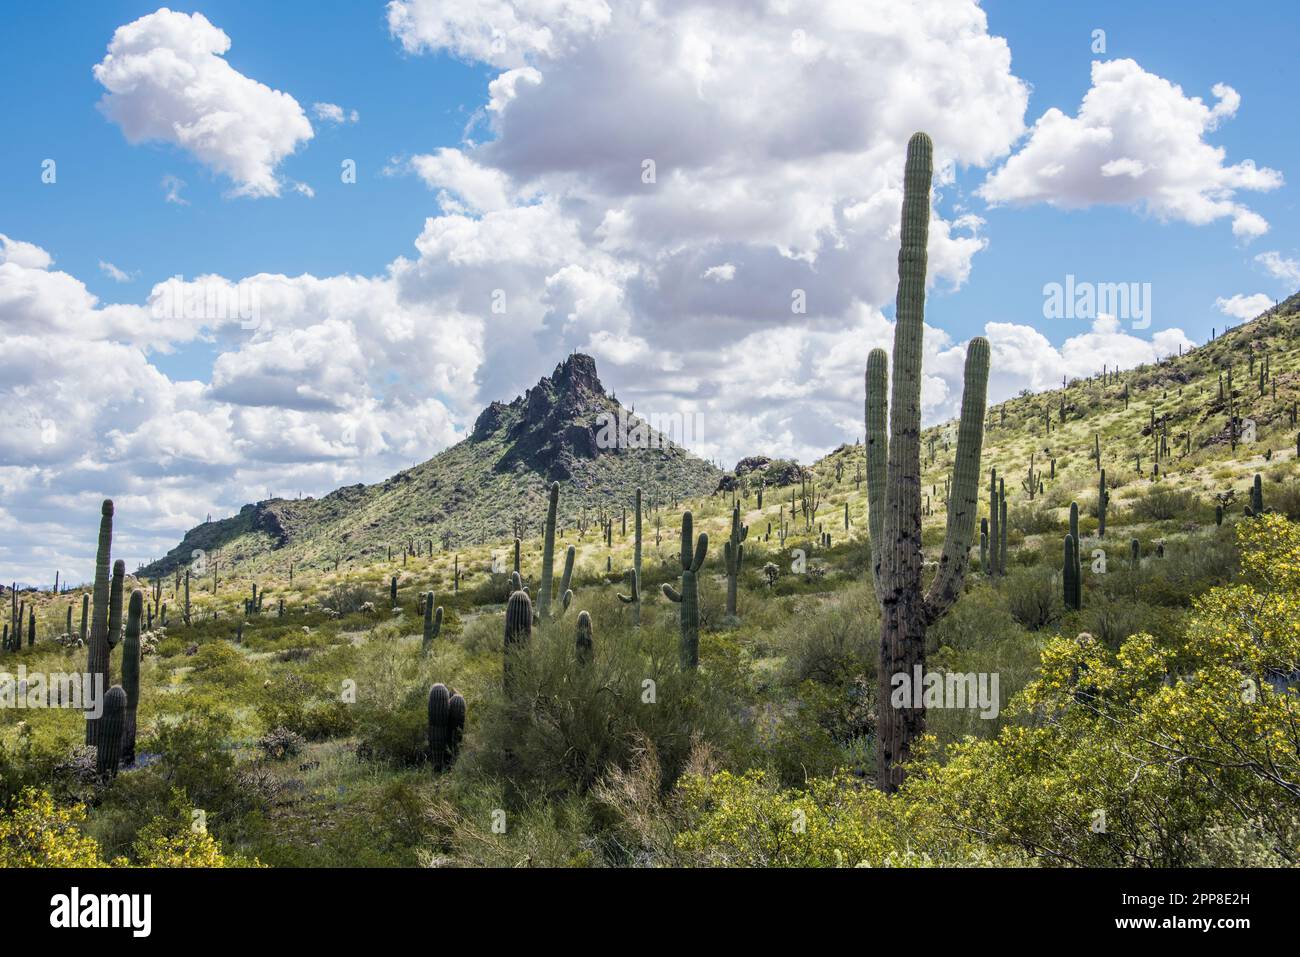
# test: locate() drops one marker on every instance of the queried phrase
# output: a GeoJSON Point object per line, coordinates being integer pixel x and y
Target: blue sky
{"type": "Point", "coordinates": [678, 291]}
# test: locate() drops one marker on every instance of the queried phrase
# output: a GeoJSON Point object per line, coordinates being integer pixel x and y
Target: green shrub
{"type": "Point", "coordinates": [1033, 596]}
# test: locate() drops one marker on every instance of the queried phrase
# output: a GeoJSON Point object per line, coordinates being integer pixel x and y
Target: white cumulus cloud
{"type": "Point", "coordinates": [1137, 140]}
{"type": "Point", "coordinates": [1244, 307]}
{"type": "Point", "coordinates": [168, 81]}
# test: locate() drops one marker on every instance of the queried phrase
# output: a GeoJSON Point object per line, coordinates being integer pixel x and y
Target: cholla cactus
{"type": "Point", "coordinates": [689, 597]}
{"type": "Point", "coordinates": [894, 479]}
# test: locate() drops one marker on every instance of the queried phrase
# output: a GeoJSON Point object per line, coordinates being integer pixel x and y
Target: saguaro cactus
{"type": "Point", "coordinates": [1103, 501]}
{"type": "Point", "coordinates": [1070, 574]}
{"type": "Point", "coordinates": [440, 727]}
{"type": "Point", "coordinates": [907, 611]}
{"type": "Point", "coordinates": [115, 604]}
{"type": "Point", "coordinates": [689, 597]}
{"type": "Point", "coordinates": [634, 596]}
{"type": "Point", "coordinates": [108, 739]}
{"type": "Point", "coordinates": [519, 628]}
{"type": "Point", "coordinates": [131, 673]}
{"type": "Point", "coordinates": [99, 648]}
{"type": "Point", "coordinates": [548, 554]}
{"type": "Point", "coordinates": [733, 555]}
{"type": "Point", "coordinates": [456, 710]}
{"type": "Point", "coordinates": [1256, 506]}
{"type": "Point", "coordinates": [994, 559]}
{"type": "Point", "coordinates": [583, 640]}
{"type": "Point", "coordinates": [566, 579]}
{"type": "Point", "coordinates": [432, 623]}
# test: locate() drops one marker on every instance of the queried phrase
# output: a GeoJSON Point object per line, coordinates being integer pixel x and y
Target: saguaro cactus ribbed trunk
{"type": "Point", "coordinates": [894, 484]}
{"type": "Point", "coordinates": [98, 648]}
{"type": "Point", "coordinates": [548, 554]}
{"type": "Point", "coordinates": [131, 673]}
{"type": "Point", "coordinates": [693, 552]}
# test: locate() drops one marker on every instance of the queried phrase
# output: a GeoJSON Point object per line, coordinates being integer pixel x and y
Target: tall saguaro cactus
{"type": "Point", "coordinates": [733, 554]}
{"type": "Point", "coordinates": [548, 554]}
{"type": "Point", "coordinates": [995, 558]}
{"type": "Point", "coordinates": [98, 648]}
{"type": "Point", "coordinates": [689, 597]}
{"type": "Point", "coordinates": [906, 611]}
{"type": "Point", "coordinates": [131, 673]}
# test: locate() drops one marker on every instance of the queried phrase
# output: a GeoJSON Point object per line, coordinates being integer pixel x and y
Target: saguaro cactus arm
{"type": "Point", "coordinates": [634, 584]}
{"type": "Point", "coordinates": [877, 381]}
{"type": "Point", "coordinates": [963, 502]}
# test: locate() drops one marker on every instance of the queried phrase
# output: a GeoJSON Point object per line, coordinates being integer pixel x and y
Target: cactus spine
{"type": "Point", "coordinates": [689, 596]}
{"type": "Point", "coordinates": [131, 673]}
{"type": "Point", "coordinates": [907, 611]}
{"type": "Point", "coordinates": [733, 555]}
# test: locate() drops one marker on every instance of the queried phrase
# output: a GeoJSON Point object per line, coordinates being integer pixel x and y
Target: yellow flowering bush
{"type": "Point", "coordinates": [1131, 758]}
{"type": "Point", "coordinates": [746, 820]}
{"type": "Point", "coordinates": [37, 833]}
